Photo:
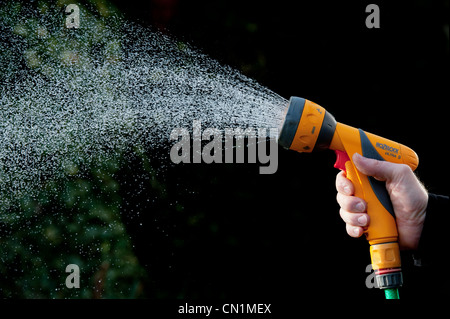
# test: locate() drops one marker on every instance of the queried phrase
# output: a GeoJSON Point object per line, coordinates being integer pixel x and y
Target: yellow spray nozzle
{"type": "Point", "coordinates": [308, 127]}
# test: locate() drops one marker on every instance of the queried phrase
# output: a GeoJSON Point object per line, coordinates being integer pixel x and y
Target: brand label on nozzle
{"type": "Point", "coordinates": [387, 148]}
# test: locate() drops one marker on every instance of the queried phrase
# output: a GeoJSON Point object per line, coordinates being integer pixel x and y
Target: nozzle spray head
{"type": "Point", "coordinates": [307, 126]}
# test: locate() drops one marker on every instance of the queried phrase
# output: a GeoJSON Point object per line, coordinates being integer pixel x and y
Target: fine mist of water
{"type": "Point", "coordinates": [72, 96]}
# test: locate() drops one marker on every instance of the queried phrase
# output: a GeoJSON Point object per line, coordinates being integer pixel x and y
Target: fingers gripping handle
{"type": "Point", "coordinates": [382, 227]}
{"type": "Point", "coordinates": [382, 230]}
{"type": "Point", "coordinates": [344, 163]}
{"type": "Point", "coordinates": [350, 172]}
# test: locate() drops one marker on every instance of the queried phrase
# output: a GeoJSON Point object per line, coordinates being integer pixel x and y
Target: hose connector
{"type": "Point", "coordinates": [387, 265]}
{"type": "Point", "coordinates": [389, 280]}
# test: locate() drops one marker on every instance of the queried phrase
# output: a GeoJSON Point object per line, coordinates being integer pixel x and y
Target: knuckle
{"type": "Point", "coordinates": [339, 198]}
{"type": "Point", "coordinates": [338, 181]}
{"type": "Point", "coordinates": [342, 213]}
{"type": "Point", "coordinates": [404, 169]}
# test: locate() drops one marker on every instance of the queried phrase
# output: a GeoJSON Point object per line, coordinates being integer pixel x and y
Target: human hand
{"type": "Point", "coordinates": [408, 196]}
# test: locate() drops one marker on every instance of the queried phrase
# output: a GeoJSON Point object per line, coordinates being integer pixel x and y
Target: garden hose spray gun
{"type": "Point", "coordinates": [308, 127]}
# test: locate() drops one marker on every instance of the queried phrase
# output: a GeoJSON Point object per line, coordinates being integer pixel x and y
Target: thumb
{"type": "Point", "coordinates": [380, 170]}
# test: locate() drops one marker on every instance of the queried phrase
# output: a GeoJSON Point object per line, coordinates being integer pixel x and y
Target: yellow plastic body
{"type": "Point", "coordinates": [382, 227]}
{"type": "Point", "coordinates": [382, 230]}
{"type": "Point", "coordinates": [385, 256]}
{"type": "Point", "coordinates": [309, 127]}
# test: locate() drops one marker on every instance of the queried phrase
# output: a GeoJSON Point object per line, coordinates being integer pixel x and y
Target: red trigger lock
{"type": "Point", "coordinates": [341, 159]}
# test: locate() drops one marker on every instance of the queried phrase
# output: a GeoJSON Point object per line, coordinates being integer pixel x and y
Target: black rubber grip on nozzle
{"type": "Point", "coordinates": [326, 132]}
{"type": "Point", "coordinates": [291, 121]}
{"type": "Point", "coordinates": [378, 187]}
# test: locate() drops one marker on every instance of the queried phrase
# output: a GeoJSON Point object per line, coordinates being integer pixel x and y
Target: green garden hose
{"type": "Point", "coordinates": [391, 293]}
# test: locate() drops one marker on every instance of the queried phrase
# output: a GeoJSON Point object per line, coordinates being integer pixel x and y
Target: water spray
{"type": "Point", "coordinates": [83, 89]}
{"type": "Point", "coordinates": [108, 88]}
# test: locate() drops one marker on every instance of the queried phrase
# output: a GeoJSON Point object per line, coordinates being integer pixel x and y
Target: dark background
{"type": "Point", "coordinates": [272, 237]}
{"type": "Point", "coordinates": [223, 232]}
